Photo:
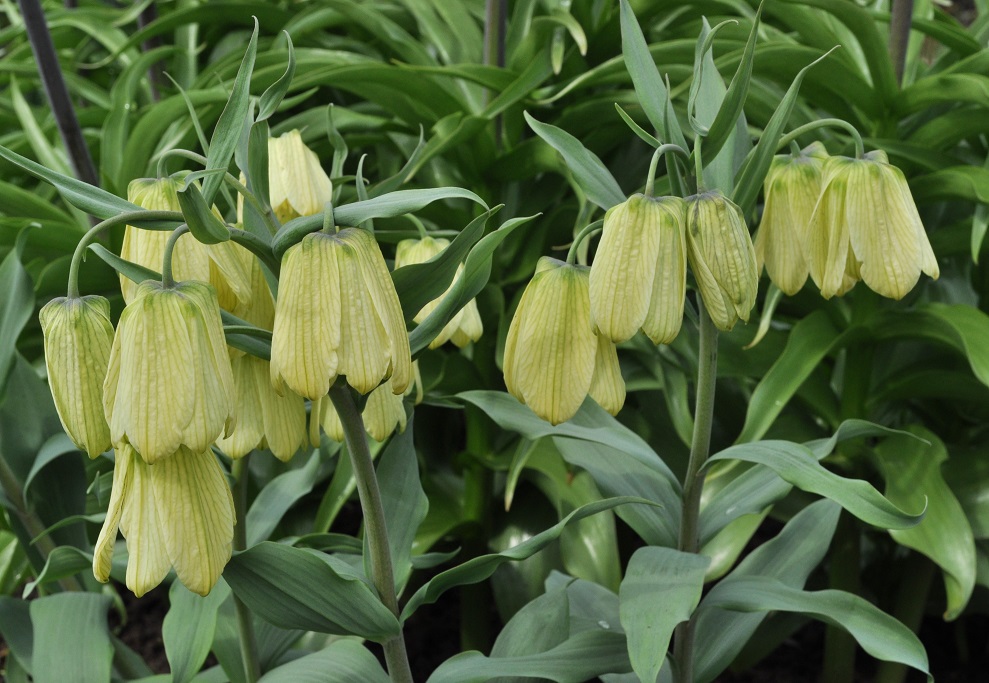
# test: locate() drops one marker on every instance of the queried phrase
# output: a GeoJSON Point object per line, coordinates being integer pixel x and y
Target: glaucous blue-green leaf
{"type": "Point", "coordinates": [15, 626]}
{"type": "Point", "coordinates": [876, 632]}
{"type": "Point", "coordinates": [588, 170]}
{"type": "Point", "coordinates": [789, 557]}
{"type": "Point", "coordinates": [405, 504]}
{"type": "Point", "coordinates": [272, 97]}
{"type": "Point", "coordinates": [63, 561]}
{"type": "Point", "coordinates": [56, 446]}
{"type": "Point", "coordinates": [661, 589]}
{"type": "Point", "coordinates": [188, 628]}
{"type": "Point", "coordinates": [205, 225]}
{"type": "Point", "coordinates": [913, 477]}
{"type": "Point", "coordinates": [300, 589]}
{"type": "Point", "coordinates": [275, 499]}
{"type": "Point", "coordinates": [541, 625]}
{"type": "Point", "coordinates": [16, 305]}
{"type": "Point", "coordinates": [343, 661]}
{"type": "Point", "coordinates": [797, 465]}
{"type": "Point", "coordinates": [726, 546]}
{"type": "Point", "coordinates": [71, 638]}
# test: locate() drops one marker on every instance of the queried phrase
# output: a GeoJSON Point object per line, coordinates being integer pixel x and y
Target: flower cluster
{"type": "Point", "coordinates": [841, 220]}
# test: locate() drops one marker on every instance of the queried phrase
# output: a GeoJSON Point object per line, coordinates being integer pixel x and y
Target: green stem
{"type": "Point", "coordinates": [899, 35]}
{"type": "Point", "coordinates": [258, 247]}
{"type": "Point", "coordinates": [245, 623]}
{"type": "Point", "coordinates": [693, 484]}
{"type": "Point", "coordinates": [654, 163]}
{"type": "Point", "coordinates": [825, 123]}
{"type": "Point", "coordinates": [843, 574]}
{"type": "Point", "coordinates": [94, 232]}
{"type": "Point", "coordinates": [591, 229]}
{"type": "Point", "coordinates": [166, 262]}
{"type": "Point", "coordinates": [382, 572]}
{"type": "Point", "coordinates": [699, 165]}
{"type": "Point", "coordinates": [911, 598]}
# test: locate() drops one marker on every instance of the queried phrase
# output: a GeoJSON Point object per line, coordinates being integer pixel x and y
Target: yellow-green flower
{"type": "Point", "coordinates": [383, 414]}
{"type": "Point", "coordinates": [792, 188]}
{"type": "Point", "coordinates": [78, 335]}
{"type": "Point", "coordinates": [553, 358]}
{"type": "Point", "coordinates": [465, 327]}
{"type": "Point", "coordinates": [639, 274]}
{"type": "Point", "coordinates": [169, 382]}
{"type": "Point", "coordinates": [177, 513]}
{"type": "Point", "coordinates": [265, 419]}
{"type": "Point", "coordinates": [297, 183]}
{"type": "Point", "coordinates": [225, 265]}
{"type": "Point", "coordinates": [722, 258]}
{"type": "Point", "coordinates": [338, 314]}
{"type": "Point", "coordinates": [866, 226]}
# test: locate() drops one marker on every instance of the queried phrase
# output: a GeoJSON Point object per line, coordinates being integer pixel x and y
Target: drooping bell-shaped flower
{"type": "Point", "coordinates": [792, 188]}
{"type": "Point", "coordinates": [177, 513]}
{"type": "Point", "coordinates": [225, 265]}
{"type": "Point", "coordinates": [866, 226]}
{"type": "Point", "coordinates": [552, 353]}
{"type": "Point", "coordinates": [169, 383]}
{"type": "Point", "coordinates": [722, 258]}
{"type": "Point", "coordinates": [297, 183]}
{"type": "Point", "coordinates": [338, 314]}
{"type": "Point", "coordinates": [383, 414]}
{"type": "Point", "coordinates": [639, 274]}
{"type": "Point", "coordinates": [465, 327]}
{"type": "Point", "coordinates": [78, 335]}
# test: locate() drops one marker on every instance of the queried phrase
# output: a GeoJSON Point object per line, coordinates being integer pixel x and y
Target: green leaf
{"type": "Point", "coordinates": [477, 270]}
{"type": "Point", "coordinates": [588, 170]}
{"type": "Point", "coordinates": [879, 634]}
{"type": "Point", "coordinates": [226, 135]}
{"type": "Point", "coordinates": [582, 657]}
{"type": "Point", "coordinates": [797, 465]}
{"type": "Point", "coordinates": [810, 340]}
{"type": "Point", "coordinates": [71, 638]}
{"type": "Point", "coordinates": [15, 626]}
{"type": "Point", "coordinates": [343, 661]}
{"type": "Point", "coordinates": [384, 206]}
{"type": "Point", "coordinates": [275, 499]}
{"type": "Point", "coordinates": [480, 568]}
{"type": "Point", "coordinates": [649, 86]}
{"type": "Point", "coordinates": [913, 476]}
{"type": "Point", "coordinates": [272, 97]}
{"type": "Point", "coordinates": [661, 589]}
{"type": "Point", "coordinates": [540, 625]}
{"type": "Point", "coordinates": [57, 446]}
{"type": "Point", "coordinates": [16, 305]}
{"type": "Point", "coordinates": [63, 561]}
{"type": "Point", "coordinates": [403, 499]}
{"type": "Point", "coordinates": [789, 557]}
{"type": "Point", "coordinates": [188, 628]}
{"type": "Point", "coordinates": [301, 589]}
{"type": "Point", "coordinates": [204, 225]}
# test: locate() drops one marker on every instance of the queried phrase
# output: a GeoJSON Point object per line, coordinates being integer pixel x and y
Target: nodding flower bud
{"type": "Point", "coordinates": [78, 336]}
{"type": "Point", "coordinates": [866, 226]}
{"type": "Point", "coordinates": [465, 327]}
{"type": "Point", "coordinates": [553, 358]}
{"type": "Point", "coordinates": [178, 513]}
{"type": "Point", "coordinates": [169, 382]}
{"type": "Point", "coordinates": [338, 314]}
{"type": "Point", "coordinates": [792, 188]}
{"type": "Point", "coordinates": [297, 184]}
{"type": "Point", "coordinates": [639, 274]}
{"type": "Point", "coordinates": [226, 265]}
{"type": "Point", "coordinates": [722, 258]}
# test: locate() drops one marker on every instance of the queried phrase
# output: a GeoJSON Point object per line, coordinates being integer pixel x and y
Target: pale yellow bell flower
{"type": "Point", "coordinates": [792, 188]}
{"type": "Point", "coordinates": [639, 274]}
{"type": "Point", "coordinates": [169, 383]}
{"type": "Point", "coordinates": [338, 313]}
{"type": "Point", "coordinates": [552, 353]}
{"type": "Point", "coordinates": [78, 335]}
{"type": "Point", "coordinates": [383, 414]}
{"type": "Point", "coordinates": [866, 226]}
{"type": "Point", "coordinates": [466, 326]}
{"type": "Point", "coordinates": [226, 265]}
{"type": "Point", "coordinates": [177, 513]}
{"type": "Point", "coordinates": [722, 258]}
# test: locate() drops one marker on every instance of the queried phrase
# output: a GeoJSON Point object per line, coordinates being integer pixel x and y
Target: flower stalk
{"type": "Point", "coordinates": [245, 625]}
{"type": "Point", "coordinates": [382, 572]}
{"type": "Point", "coordinates": [700, 446]}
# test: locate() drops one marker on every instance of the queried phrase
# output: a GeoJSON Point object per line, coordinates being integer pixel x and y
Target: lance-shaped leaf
{"type": "Point", "coordinates": [272, 97]}
{"type": "Point", "coordinates": [204, 225]}
{"type": "Point", "coordinates": [344, 661]}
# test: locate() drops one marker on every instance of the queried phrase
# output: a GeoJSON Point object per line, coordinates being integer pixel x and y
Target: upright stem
{"type": "Point", "coordinates": [383, 574]}
{"type": "Point", "coordinates": [843, 574]}
{"type": "Point", "coordinates": [693, 484]}
{"type": "Point", "coordinates": [245, 624]}
{"type": "Point", "coordinates": [899, 35]}
{"type": "Point", "coordinates": [495, 21]}
{"type": "Point", "coordinates": [58, 94]}
{"type": "Point", "coordinates": [147, 16]}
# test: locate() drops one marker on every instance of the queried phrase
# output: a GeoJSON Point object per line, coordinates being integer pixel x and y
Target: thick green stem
{"type": "Point", "coordinates": [693, 484]}
{"type": "Point", "coordinates": [654, 163]}
{"type": "Point", "coordinates": [899, 35]}
{"type": "Point", "coordinates": [245, 623]}
{"type": "Point", "coordinates": [495, 24]}
{"type": "Point", "coordinates": [843, 574]}
{"type": "Point", "coordinates": [382, 572]}
{"type": "Point", "coordinates": [94, 232]}
{"type": "Point", "coordinates": [587, 231]}
{"type": "Point", "coordinates": [911, 598]}
{"type": "Point", "coordinates": [825, 123]}
{"type": "Point", "coordinates": [166, 262]}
